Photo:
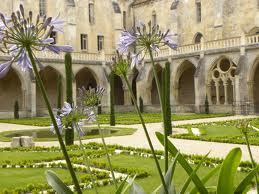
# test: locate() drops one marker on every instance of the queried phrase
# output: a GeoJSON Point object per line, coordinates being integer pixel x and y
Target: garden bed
{"type": "Point", "coordinates": [46, 135]}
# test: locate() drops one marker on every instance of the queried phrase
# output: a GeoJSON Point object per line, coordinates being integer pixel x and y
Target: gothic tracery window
{"type": "Point", "coordinates": [221, 82]}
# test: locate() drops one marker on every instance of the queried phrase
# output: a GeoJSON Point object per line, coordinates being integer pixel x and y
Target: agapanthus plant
{"type": "Point", "coordinates": [144, 39]}
{"type": "Point", "coordinates": [147, 40]}
{"type": "Point", "coordinates": [70, 115]}
{"type": "Point", "coordinates": [19, 32]}
{"type": "Point", "coordinates": [20, 36]}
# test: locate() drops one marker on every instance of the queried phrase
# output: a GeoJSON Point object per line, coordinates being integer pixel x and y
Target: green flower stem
{"type": "Point", "coordinates": [87, 162]}
{"type": "Point", "coordinates": [252, 160]}
{"type": "Point", "coordinates": [62, 145]}
{"type": "Point", "coordinates": [146, 133]}
{"type": "Point", "coordinates": [107, 154]}
{"type": "Point", "coordinates": [162, 107]}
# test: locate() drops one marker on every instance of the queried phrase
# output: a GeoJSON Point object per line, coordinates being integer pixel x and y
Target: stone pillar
{"type": "Point", "coordinates": [127, 97]}
{"type": "Point", "coordinates": [209, 94]}
{"type": "Point", "coordinates": [250, 91]}
{"type": "Point", "coordinates": [234, 89]}
{"type": "Point", "coordinates": [33, 99]}
{"type": "Point", "coordinates": [217, 93]}
{"type": "Point", "coordinates": [225, 84]}
{"type": "Point", "coordinates": [74, 92]}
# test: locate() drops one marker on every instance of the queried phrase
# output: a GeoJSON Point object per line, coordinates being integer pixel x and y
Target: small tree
{"type": "Point", "coordinates": [141, 105]}
{"type": "Point", "coordinates": [207, 110]}
{"type": "Point", "coordinates": [69, 131]}
{"type": "Point", "coordinates": [59, 89]}
{"type": "Point", "coordinates": [166, 98]}
{"type": "Point", "coordinates": [16, 110]}
{"type": "Point", "coordinates": [112, 100]}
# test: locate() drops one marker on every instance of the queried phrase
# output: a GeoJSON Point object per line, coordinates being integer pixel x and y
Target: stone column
{"type": "Point", "coordinates": [217, 93]}
{"type": "Point", "coordinates": [33, 99]}
{"type": "Point", "coordinates": [74, 92]}
{"type": "Point", "coordinates": [127, 97]}
{"type": "Point", "coordinates": [225, 84]}
{"type": "Point", "coordinates": [209, 94]}
{"type": "Point", "coordinates": [250, 91]}
{"type": "Point", "coordinates": [234, 90]}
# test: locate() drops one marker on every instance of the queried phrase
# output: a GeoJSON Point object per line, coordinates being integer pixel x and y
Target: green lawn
{"type": "Point", "coordinates": [47, 135]}
{"type": "Point", "coordinates": [18, 178]}
{"type": "Point", "coordinates": [226, 132]}
{"type": "Point", "coordinates": [121, 118]}
{"type": "Point", "coordinates": [151, 182]}
{"type": "Point", "coordinates": [15, 178]}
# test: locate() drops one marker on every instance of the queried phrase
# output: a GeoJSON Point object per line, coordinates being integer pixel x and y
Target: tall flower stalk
{"type": "Point", "coordinates": [89, 100]}
{"type": "Point", "coordinates": [147, 40]}
{"type": "Point", "coordinates": [20, 36]}
{"type": "Point", "coordinates": [121, 68]}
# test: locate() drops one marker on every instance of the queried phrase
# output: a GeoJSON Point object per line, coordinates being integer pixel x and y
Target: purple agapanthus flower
{"type": "Point", "coordinates": [18, 33]}
{"type": "Point", "coordinates": [70, 115]}
{"type": "Point", "coordinates": [144, 38]}
{"type": "Point", "coordinates": [59, 123]}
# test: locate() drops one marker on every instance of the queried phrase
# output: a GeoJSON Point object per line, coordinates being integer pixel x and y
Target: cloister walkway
{"type": "Point", "coordinates": [138, 139]}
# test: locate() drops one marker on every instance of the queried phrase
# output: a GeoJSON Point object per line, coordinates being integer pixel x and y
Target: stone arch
{"type": "Point", "coordinates": [253, 84]}
{"type": "Point", "coordinates": [11, 89]}
{"type": "Point", "coordinates": [154, 90]}
{"type": "Point", "coordinates": [85, 77]}
{"type": "Point", "coordinates": [198, 38]}
{"type": "Point", "coordinates": [221, 81]}
{"type": "Point", "coordinates": [118, 90]}
{"type": "Point", "coordinates": [49, 77]}
{"type": "Point", "coordinates": [184, 83]}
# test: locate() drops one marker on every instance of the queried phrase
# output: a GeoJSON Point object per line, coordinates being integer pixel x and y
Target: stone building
{"type": "Point", "coordinates": [217, 54]}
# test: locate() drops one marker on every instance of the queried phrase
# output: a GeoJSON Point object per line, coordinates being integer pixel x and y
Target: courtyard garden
{"type": "Point", "coordinates": [22, 170]}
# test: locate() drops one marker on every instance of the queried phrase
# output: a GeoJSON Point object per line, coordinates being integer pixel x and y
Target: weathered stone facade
{"type": "Point", "coordinates": [217, 54]}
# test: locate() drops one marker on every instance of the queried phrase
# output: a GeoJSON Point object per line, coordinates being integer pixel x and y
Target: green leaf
{"type": "Point", "coordinates": [168, 178]}
{"type": "Point", "coordinates": [130, 182]}
{"type": "Point", "coordinates": [119, 190]}
{"type": "Point", "coordinates": [56, 183]}
{"type": "Point", "coordinates": [173, 150]}
{"type": "Point", "coordinates": [246, 181]}
{"type": "Point", "coordinates": [228, 172]}
{"type": "Point", "coordinates": [206, 178]}
{"type": "Point", "coordinates": [136, 189]}
{"type": "Point", "coordinates": [188, 181]}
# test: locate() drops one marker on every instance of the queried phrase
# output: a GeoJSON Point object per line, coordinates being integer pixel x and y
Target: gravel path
{"type": "Point", "coordinates": [138, 139]}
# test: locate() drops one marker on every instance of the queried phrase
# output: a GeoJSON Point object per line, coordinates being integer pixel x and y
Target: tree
{"type": "Point", "coordinates": [69, 131]}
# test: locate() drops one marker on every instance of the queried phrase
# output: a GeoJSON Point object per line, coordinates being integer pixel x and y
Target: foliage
{"type": "Point", "coordinates": [166, 99]}
{"type": "Point", "coordinates": [59, 89]}
{"type": "Point", "coordinates": [112, 99]}
{"type": "Point", "coordinates": [16, 110]}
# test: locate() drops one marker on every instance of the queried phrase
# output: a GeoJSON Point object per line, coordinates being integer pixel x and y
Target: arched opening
{"type": "Point", "coordinates": [186, 90]}
{"type": "Point", "coordinates": [49, 77]}
{"type": "Point", "coordinates": [118, 90]}
{"type": "Point", "coordinates": [221, 80]}
{"type": "Point", "coordinates": [154, 91]}
{"type": "Point", "coordinates": [254, 31]}
{"type": "Point", "coordinates": [134, 82]}
{"type": "Point", "coordinates": [10, 91]}
{"type": "Point", "coordinates": [198, 38]}
{"type": "Point", "coordinates": [86, 79]}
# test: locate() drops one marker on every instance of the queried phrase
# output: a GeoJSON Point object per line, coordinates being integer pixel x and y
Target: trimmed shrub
{"type": "Point", "coordinates": [112, 100]}
{"type": "Point", "coordinates": [141, 105]}
{"type": "Point", "coordinates": [207, 110]}
{"type": "Point", "coordinates": [16, 110]}
{"type": "Point", "coordinates": [69, 131]}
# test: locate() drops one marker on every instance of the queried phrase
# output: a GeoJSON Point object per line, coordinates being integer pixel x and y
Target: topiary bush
{"type": "Point", "coordinates": [141, 105]}
{"type": "Point", "coordinates": [69, 131]}
{"type": "Point", "coordinates": [16, 110]}
{"type": "Point", "coordinates": [207, 110]}
{"type": "Point", "coordinates": [112, 100]}
{"type": "Point", "coordinates": [59, 89]}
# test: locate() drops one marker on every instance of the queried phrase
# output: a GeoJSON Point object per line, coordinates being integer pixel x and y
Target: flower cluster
{"type": "Point", "coordinates": [20, 33]}
{"type": "Point", "coordinates": [144, 40]}
{"type": "Point", "coordinates": [69, 116]}
{"type": "Point", "coordinates": [120, 65]}
{"type": "Point", "coordinates": [89, 99]}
